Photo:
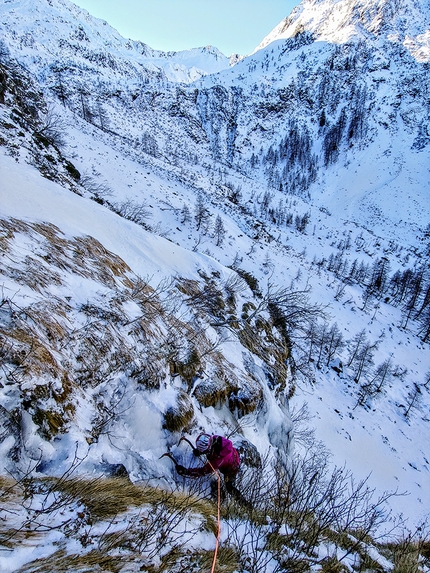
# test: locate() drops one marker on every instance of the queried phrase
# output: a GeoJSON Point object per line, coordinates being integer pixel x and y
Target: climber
{"type": "Point", "coordinates": [220, 456]}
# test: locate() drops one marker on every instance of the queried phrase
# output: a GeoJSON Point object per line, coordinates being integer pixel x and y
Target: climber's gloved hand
{"type": "Point", "coordinates": [197, 452]}
{"type": "Point", "coordinates": [181, 470]}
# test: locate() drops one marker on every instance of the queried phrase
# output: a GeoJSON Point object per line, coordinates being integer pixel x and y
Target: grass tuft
{"type": "Point", "coordinates": [60, 562]}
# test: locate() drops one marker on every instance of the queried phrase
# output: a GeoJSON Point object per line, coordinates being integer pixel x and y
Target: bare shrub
{"type": "Point", "coordinates": [296, 506]}
{"type": "Point", "coordinates": [52, 128]}
{"type": "Point", "coordinates": [136, 212]}
{"type": "Point", "coordinates": [97, 188]}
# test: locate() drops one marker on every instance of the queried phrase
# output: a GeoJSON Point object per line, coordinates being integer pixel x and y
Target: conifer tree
{"type": "Point", "coordinates": [201, 214]}
{"type": "Point", "coordinates": [219, 231]}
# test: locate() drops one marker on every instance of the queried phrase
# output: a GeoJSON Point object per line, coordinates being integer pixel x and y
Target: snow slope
{"type": "Point", "coordinates": [27, 197]}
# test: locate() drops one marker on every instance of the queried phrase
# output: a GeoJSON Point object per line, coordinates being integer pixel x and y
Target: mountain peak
{"type": "Point", "coordinates": [338, 21]}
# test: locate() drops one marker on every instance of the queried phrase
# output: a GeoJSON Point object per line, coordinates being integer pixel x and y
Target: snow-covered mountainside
{"type": "Point", "coordinates": [404, 21]}
{"type": "Point", "coordinates": [190, 245]}
{"type": "Point", "coordinates": [49, 29]}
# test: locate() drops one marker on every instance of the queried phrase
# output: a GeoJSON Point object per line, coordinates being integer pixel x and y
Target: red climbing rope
{"type": "Point", "coordinates": [218, 518]}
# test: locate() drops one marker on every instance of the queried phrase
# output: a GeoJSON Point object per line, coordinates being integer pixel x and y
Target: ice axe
{"type": "Point", "coordinates": [183, 438]}
{"type": "Point", "coordinates": [169, 455]}
{"type": "Point", "coordinates": [178, 467]}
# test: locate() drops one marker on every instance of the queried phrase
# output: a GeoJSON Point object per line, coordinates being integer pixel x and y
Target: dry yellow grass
{"type": "Point", "coordinates": [106, 497]}
{"type": "Point", "coordinates": [61, 562]}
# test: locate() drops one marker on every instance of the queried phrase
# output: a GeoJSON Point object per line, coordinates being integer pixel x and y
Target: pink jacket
{"type": "Point", "coordinates": [227, 461]}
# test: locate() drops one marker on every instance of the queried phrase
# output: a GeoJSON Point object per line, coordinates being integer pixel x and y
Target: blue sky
{"type": "Point", "coordinates": [233, 26]}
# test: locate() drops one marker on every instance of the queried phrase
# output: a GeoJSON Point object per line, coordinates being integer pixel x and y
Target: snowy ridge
{"type": "Point", "coordinates": [405, 22]}
{"type": "Point", "coordinates": [59, 24]}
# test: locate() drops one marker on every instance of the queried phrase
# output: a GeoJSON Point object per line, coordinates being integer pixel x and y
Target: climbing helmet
{"type": "Point", "coordinates": [203, 442]}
